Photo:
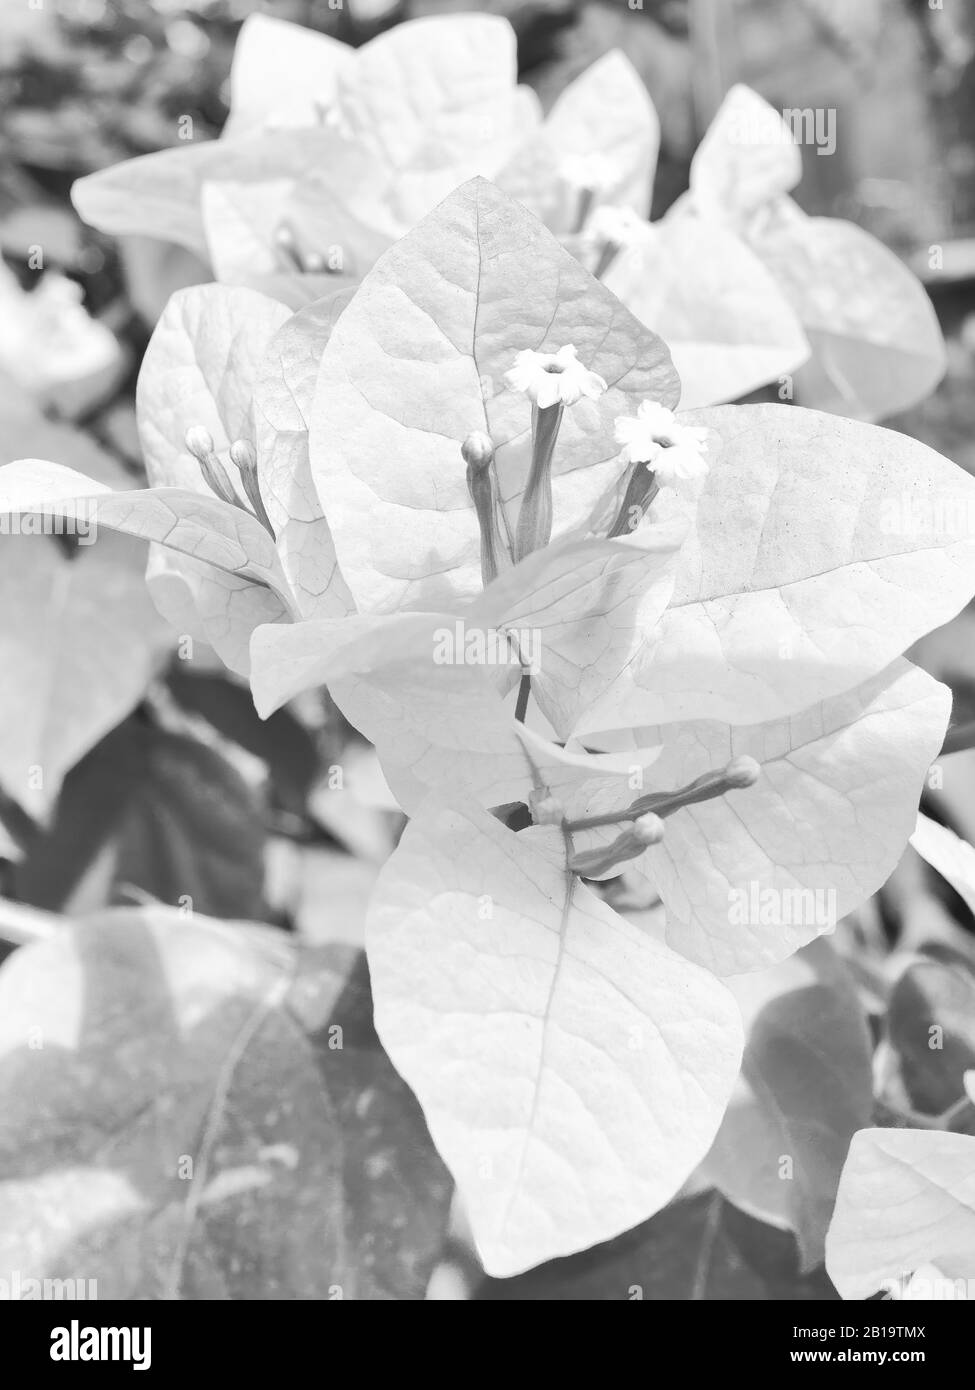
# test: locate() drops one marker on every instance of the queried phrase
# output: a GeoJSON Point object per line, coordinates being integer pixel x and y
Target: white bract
{"type": "Point", "coordinates": [875, 344]}
{"type": "Point", "coordinates": [224, 365]}
{"type": "Point", "coordinates": [906, 1202]}
{"type": "Point", "coordinates": [329, 155]}
{"type": "Point", "coordinates": [587, 636]}
{"type": "Point", "coordinates": [339, 149]}
{"type": "Point", "coordinates": [815, 551]}
{"type": "Point", "coordinates": [709, 687]}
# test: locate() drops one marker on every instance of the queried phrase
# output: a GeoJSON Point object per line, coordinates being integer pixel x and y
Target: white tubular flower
{"type": "Point", "coordinates": [675, 452]}
{"type": "Point", "coordinates": [553, 378]}
{"type": "Point", "coordinates": [653, 427]}
{"type": "Point", "coordinates": [678, 465]}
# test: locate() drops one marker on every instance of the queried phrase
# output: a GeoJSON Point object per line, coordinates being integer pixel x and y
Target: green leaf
{"type": "Point", "coordinates": [167, 1132]}
{"type": "Point", "coordinates": [397, 1190]}
{"type": "Point", "coordinates": [572, 1069]}
{"type": "Point", "coordinates": [931, 1028]}
{"type": "Point", "coordinates": [417, 361]}
{"type": "Point", "coordinates": [698, 1249]}
{"type": "Point", "coordinates": [906, 1199]}
{"type": "Point", "coordinates": [806, 1088]}
{"type": "Point", "coordinates": [243, 1137]}
{"type": "Point", "coordinates": [281, 741]}
{"type": "Point", "coordinates": [157, 812]}
{"type": "Point", "coordinates": [81, 643]}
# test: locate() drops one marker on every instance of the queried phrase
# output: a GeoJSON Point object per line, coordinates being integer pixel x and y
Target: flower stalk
{"type": "Point", "coordinates": [245, 460]}
{"type": "Point", "coordinates": [534, 529]}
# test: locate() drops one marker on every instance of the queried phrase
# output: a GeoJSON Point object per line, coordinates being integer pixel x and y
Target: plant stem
{"type": "Point", "coordinates": [524, 692]}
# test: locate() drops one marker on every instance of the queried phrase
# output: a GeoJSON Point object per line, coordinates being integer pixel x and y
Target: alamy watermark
{"type": "Point", "coordinates": [84, 1343]}
{"type": "Point", "coordinates": [755, 906]}
{"type": "Point", "coordinates": [25, 1287]}
{"type": "Point", "coordinates": [47, 519]}
{"type": "Point", "coordinates": [806, 125]}
{"type": "Point", "coordinates": [479, 646]}
{"type": "Point", "coordinates": [917, 514]}
{"type": "Point", "coordinates": [928, 1287]}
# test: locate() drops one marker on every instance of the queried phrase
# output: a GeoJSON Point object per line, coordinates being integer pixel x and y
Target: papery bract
{"type": "Point", "coordinates": [216, 365]}
{"type": "Point", "coordinates": [876, 345]}
{"type": "Point", "coordinates": [598, 145]}
{"type": "Point", "coordinates": [821, 548]}
{"type": "Point", "coordinates": [282, 75]}
{"type": "Point", "coordinates": [417, 363]}
{"type": "Point", "coordinates": [730, 329]}
{"type": "Point", "coordinates": [571, 1068]}
{"type": "Point", "coordinates": [433, 101]}
{"type": "Point", "coordinates": [906, 1199]}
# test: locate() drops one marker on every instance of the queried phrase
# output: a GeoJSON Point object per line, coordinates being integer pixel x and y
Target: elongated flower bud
{"type": "Point", "coordinates": [477, 451]}
{"type": "Point", "coordinates": [245, 460]}
{"type": "Point", "coordinates": [740, 773]}
{"type": "Point", "coordinates": [645, 831]}
{"type": "Point", "coordinates": [199, 442]}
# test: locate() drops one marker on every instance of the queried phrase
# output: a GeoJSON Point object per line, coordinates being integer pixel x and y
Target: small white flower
{"type": "Point", "coordinates": [678, 465]}
{"type": "Point", "coordinates": [655, 426]}
{"type": "Point", "coordinates": [549, 378]}
{"type": "Point", "coordinates": [653, 436]}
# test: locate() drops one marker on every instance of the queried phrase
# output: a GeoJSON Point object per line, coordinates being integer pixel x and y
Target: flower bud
{"type": "Point", "coordinates": [477, 452]}
{"type": "Point", "coordinates": [645, 831]}
{"type": "Point", "coordinates": [742, 772]}
{"type": "Point", "coordinates": [244, 458]}
{"type": "Point", "coordinates": [199, 442]}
